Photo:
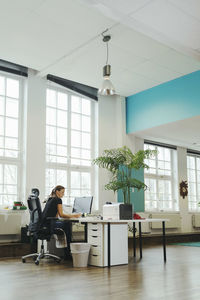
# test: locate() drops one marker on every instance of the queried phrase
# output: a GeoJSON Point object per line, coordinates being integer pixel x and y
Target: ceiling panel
{"type": "Point", "coordinates": [124, 7]}
{"type": "Point", "coordinates": [136, 43]}
{"type": "Point", "coordinates": [171, 21]}
{"type": "Point", "coordinates": [74, 17]}
{"type": "Point", "coordinates": [177, 62]}
{"type": "Point", "coordinates": [190, 7]}
{"type": "Point", "coordinates": [84, 66]}
{"type": "Point", "coordinates": [10, 6]}
{"type": "Point", "coordinates": [156, 72]}
{"type": "Point", "coordinates": [137, 81]}
{"type": "Point", "coordinates": [119, 56]}
{"type": "Point", "coordinates": [33, 41]}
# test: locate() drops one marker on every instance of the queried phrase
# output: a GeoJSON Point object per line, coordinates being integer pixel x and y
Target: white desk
{"type": "Point", "coordinates": [139, 221]}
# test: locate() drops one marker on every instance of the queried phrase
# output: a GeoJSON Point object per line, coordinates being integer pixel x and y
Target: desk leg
{"type": "Point", "coordinates": [134, 241]}
{"type": "Point", "coordinates": [108, 245]}
{"type": "Point", "coordinates": [86, 232]}
{"type": "Point", "coordinates": [70, 232]}
{"type": "Point", "coordinates": [164, 241]}
{"type": "Point", "coordinates": [140, 237]}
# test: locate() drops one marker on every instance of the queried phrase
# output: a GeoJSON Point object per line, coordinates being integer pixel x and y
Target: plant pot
{"type": "Point", "coordinates": [126, 211]}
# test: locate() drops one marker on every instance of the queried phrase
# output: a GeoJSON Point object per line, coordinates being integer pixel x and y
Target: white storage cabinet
{"type": "Point", "coordinates": [98, 239]}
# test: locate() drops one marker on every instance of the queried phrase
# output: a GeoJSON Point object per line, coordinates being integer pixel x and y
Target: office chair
{"type": "Point", "coordinates": [37, 230]}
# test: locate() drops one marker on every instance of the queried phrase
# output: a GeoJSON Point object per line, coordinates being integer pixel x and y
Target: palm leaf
{"type": "Point", "coordinates": [120, 162]}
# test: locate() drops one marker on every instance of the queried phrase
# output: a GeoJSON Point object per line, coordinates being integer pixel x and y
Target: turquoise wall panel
{"type": "Point", "coordinates": [137, 197]}
{"type": "Point", "coordinates": [169, 102]}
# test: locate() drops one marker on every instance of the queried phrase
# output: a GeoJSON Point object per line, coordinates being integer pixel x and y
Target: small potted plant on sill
{"type": "Point", "coordinates": [120, 162]}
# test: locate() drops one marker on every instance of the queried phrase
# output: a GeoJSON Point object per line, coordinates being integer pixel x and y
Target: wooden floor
{"type": "Point", "coordinates": [147, 279]}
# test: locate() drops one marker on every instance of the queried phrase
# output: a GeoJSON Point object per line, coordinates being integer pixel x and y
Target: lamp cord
{"type": "Point", "coordinates": [107, 53]}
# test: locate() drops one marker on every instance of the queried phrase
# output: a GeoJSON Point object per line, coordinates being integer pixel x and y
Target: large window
{"type": "Point", "coordinates": [10, 104]}
{"type": "Point", "coordinates": [70, 128]}
{"type": "Point", "coordinates": [193, 171]}
{"type": "Point", "coordinates": [161, 194]}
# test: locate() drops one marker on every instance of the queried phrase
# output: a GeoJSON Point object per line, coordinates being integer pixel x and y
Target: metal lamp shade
{"type": "Point", "coordinates": [107, 88]}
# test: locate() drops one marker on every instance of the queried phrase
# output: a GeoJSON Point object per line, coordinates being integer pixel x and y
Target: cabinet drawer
{"type": "Point", "coordinates": [94, 232]}
{"type": "Point", "coordinates": [97, 226]}
{"type": "Point", "coordinates": [95, 240]}
{"type": "Point", "coordinates": [95, 260]}
{"type": "Point", "coordinates": [96, 250]}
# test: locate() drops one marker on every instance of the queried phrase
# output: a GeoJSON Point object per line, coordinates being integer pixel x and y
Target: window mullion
{"type": "Point", "coordinates": [196, 181]}
{"type": "Point", "coordinates": [69, 148]}
{"type": "Point", "coordinates": [172, 179]}
{"type": "Point", "coordinates": [157, 178]}
{"type": "Point", "coordinates": [4, 117]}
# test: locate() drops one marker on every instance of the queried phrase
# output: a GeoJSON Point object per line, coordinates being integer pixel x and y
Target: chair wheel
{"type": "Point", "coordinates": [23, 260]}
{"type": "Point", "coordinates": [37, 262]}
{"type": "Point", "coordinates": [58, 260]}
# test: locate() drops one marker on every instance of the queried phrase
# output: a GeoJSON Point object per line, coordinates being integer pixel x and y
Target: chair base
{"type": "Point", "coordinates": [41, 255]}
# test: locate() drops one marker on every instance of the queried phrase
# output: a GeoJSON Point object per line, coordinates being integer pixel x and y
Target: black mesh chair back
{"type": "Point", "coordinates": [35, 211]}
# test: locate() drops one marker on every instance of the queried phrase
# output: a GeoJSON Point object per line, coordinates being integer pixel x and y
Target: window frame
{"type": "Point", "coordinates": [68, 167]}
{"type": "Point", "coordinates": [197, 210]}
{"type": "Point", "coordinates": [172, 178]}
{"type": "Point", "coordinates": [19, 160]}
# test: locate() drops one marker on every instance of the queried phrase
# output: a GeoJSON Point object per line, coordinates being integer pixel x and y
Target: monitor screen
{"type": "Point", "coordinates": [82, 205]}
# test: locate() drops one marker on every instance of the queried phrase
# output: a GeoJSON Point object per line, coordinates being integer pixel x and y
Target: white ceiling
{"type": "Point", "coordinates": [153, 41]}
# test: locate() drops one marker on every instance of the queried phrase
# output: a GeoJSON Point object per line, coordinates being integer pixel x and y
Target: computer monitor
{"type": "Point", "coordinates": [83, 205]}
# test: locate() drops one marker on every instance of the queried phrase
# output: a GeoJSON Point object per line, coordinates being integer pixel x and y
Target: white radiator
{"type": "Point", "coordinates": [174, 221]}
{"type": "Point", "coordinates": [196, 220]}
{"type": "Point", "coordinates": [12, 221]}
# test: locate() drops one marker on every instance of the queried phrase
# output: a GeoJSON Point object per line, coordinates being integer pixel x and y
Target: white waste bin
{"type": "Point", "coordinates": [80, 253]}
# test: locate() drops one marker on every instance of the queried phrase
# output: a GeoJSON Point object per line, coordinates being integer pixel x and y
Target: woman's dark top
{"type": "Point", "coordinates": [51, 209]}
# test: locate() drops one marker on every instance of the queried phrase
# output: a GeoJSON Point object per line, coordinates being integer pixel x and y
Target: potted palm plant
{"type": "Point", "coordinates": [120, 162]}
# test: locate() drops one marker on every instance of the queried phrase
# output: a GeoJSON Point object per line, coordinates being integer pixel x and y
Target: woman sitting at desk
{"type": "Point", "coordinates": [53, 208]}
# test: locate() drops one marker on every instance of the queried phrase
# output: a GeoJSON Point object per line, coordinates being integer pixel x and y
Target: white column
{"type": "Point", "coordinates": [34, 147]}
{"type": "Point", "coordinates": [111, 126]}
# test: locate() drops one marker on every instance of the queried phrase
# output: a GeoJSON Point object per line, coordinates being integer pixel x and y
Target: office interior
{"type": "Point", "coordinates": [154, 53]}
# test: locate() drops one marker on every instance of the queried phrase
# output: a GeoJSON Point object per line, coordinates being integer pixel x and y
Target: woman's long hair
{"type": "Point", "coordinates": [57, 188]}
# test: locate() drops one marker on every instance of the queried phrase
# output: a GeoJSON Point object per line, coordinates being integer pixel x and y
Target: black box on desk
{"type": "Point", "coordinates": [117, 211]}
